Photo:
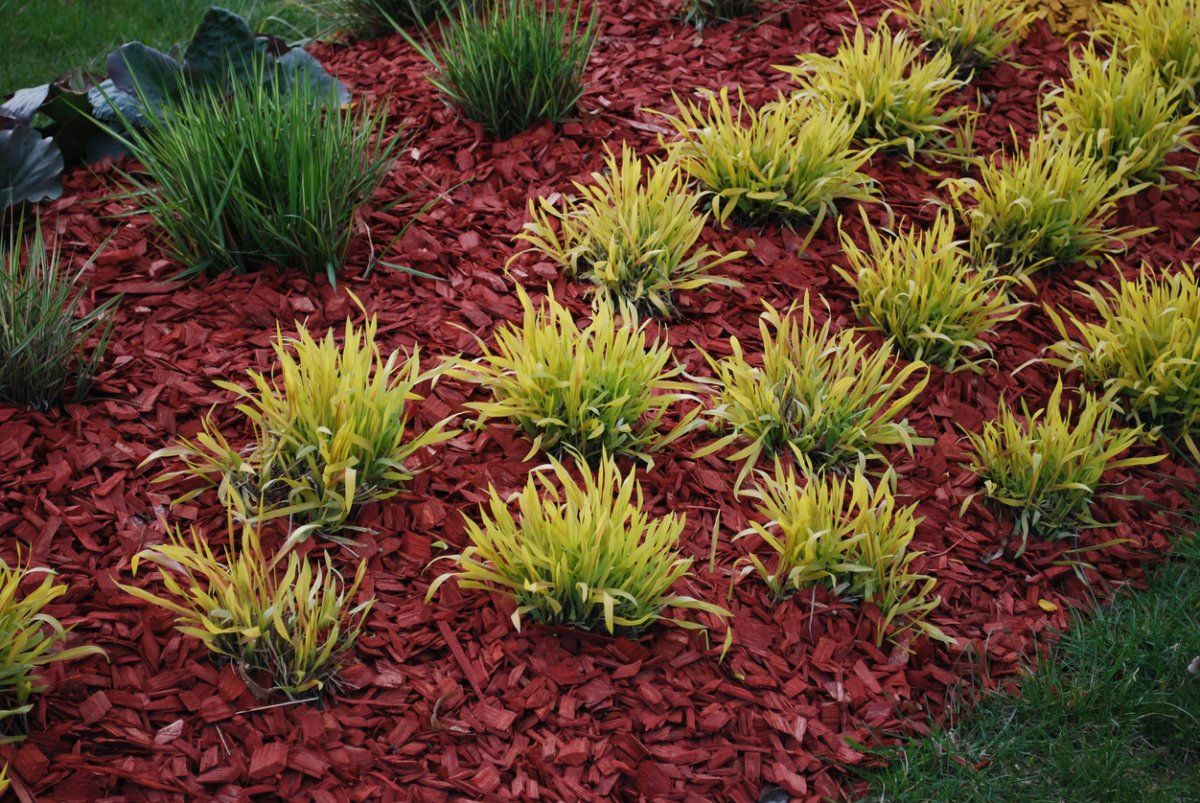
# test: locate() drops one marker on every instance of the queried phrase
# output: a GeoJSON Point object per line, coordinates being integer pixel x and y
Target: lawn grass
{"type": "Point", "coordinates": [42, 39]}
{"type": "Point", "coordinates": [1113, 715]}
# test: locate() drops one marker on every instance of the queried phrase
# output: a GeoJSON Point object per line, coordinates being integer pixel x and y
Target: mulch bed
{"type": "Point", "coordinates": [446, 701]}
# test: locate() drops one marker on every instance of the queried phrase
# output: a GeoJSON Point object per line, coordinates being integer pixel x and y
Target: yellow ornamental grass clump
{"type": "Point", "coordinates": [1045, 467]}
{"type": "Point", "coordinates": [827, 395]}
{"type": "Point", "coordinates": [920, 289]}
{"type": "Point", "coordinates": [1127, 118]}
{"type": "Point", "coordinates": [29, 639]}
{"type": "Point", "coordinates": [790, 160]}
{"type": "Point", "coordinates": [288, 621]}
{"type": "Point", "coordinates": [974, 32]}
{"type": "Point", "coordinates": [580, 553]}
{"type": "Point", "coordinates": [330, 432]}
{"type": "Point", "coordinates": [633, 240]}
{"type": "Point", "coordinates": [1164, 32]}
{"type": "Point", "coordinates": [886, 84]}
{"type": "Point", "coordinates": [842, 533]}
{"type": "Point", "coordinates": [1049, 206]}
{"type": "Point", "coordinates": [589, 391]}
{"type": "Point", "coordinates": [1144, 349]}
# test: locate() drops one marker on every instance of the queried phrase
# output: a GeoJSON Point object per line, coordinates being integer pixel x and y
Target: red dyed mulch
{"type": "Point", "coordinates": [447, 701]}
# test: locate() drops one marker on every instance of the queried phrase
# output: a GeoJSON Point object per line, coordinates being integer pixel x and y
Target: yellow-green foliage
{"type": "Point", "coordinates": [842, 533]}
{"type": "Point", "coordinates": [819, 393]}
{"type": "Point", "coordinates": [1047, 207]}
{"type": "Point", "coordinates": [920, 289]}
{"type": "Point", "coordinates": [633, 240]}
{"type": "Point", "coordinates": [29, 638]}
{"type": "Point", "coordinates": [1144, 349]}
{"type": "Point", "coordinates": [580, 553]}
{"type": "Point", "coordinates": [788, 159]}
{"type": "Point", "coordinates": [974, 32]}
{"type": "Point", "coordinates": [329, 433]}
{"type": "Point", "coordinates": [291, 624]}
{"type": "Point", "coordinates": [599, 389]}
{"type": "Point", "coordinates": [886, 84]}
{"type": "Point", "coordinates": [1045, 467]}
{"type": "Point", "coordinates": [1127, 117]}
{"type": "Point", "coordinates": [1166, 32]}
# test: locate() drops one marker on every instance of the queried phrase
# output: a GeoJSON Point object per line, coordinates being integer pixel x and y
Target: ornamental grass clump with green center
{"type": "Point", "coordinates": [887, 85]}
{"type": "Point", "coordinates": [843, 533]}
{"type": "Point", "coordinates": [1127, 117]}
{"type": "Point", "coordinates": [580, 553]}
{"type": "Point", "coordinates": [264, 174]}
{"type": "Point", "coordinates": [1164, 32]}
{"type": "Point", "coordinates": [586, 392]}
{"type": "Point", "coordinates": [1143, 349]}
{"type": "Point", "coordinates": [1046, 467]}
{"type": "Point", "coordinates": [285, 623]}
{"type": "Point", "coordinates": [513, 63]}
{"type": "Point", "coordinates": [633, 240]}
{"type": "Point", "coordinates": [789, 160]}
{"type": "Point", "coordinates": [330, 432]}
{"type": "Point", "coordinates": [30, 639]}
{"type": "Point", "coordinates": [920, 289]}
{"type": "Point", "coordinates": [974, 32]}
{"type": "Point", "coordinates": [1049, 206]}
{"type": "Point", "coordinates": [829, 396]}
{"type": "Point", "coordinates": [42, 335]}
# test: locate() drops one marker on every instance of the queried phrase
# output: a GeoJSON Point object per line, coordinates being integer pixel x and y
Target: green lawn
{"type": "Point", "coordinates": [1112, 717]}
{"type": "Point", "coordinates": [41, 39]}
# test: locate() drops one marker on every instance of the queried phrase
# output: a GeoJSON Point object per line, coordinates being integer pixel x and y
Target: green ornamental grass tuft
{"type": "Point", "coordinates": [842, 533]}
{"type": "Point", "coordinates": [513, 63]}
{"type": "Point", "coordinates": [1049, 206]}
{"type": "Point", "coordinates": [974, 32]}
{"type": "Point", "coordinates": [263, 175]}
{"type": "Point", "coordinates": [42, 333]}
{"type": "Point", "coordinates": [885, 83]}
{"type": "Point", "coordinates": [826, 395]}
{"type": "Point", "coordinates": [1164, 32]}
{"type": "Point", "coordinates": [920, 289]}
{"type": "Point", "coordinates": [633, 240]}
{"type": "Point", "coordinates": [588, 392]}
{"type": "Point", "coordinates": [581, 553]}
{"type": "Point", "coordinates": [790, 160]}
{"type": "Point", "coordinates": [1143, 350]}
{"type": "Point", "coordinates": [1127, 117]}
{"type": "Point", "coordinates": [1045, 467]}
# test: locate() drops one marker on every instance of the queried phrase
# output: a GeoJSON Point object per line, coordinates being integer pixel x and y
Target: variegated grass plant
{"type": "Point", "coordinates": [584, 391]}
{"type": "Point", "coordinates": [1127, 117]}
{"type": "Point", "coordinates": [288, 621]}
{"type": "Point", "coordinates": [974, 32]}
{"type": "Point", "coordinates": [331, 432]}
{"type": "Point", "coordinates": [42, 334]}
{"type": "Point", "coordinates": [1049, 206]}
{"type": "Point", "coordinates": [843, 533]}
{"type": "Point", "coordinates": [30, 639]}
{"type": "Point", "coordinates": [920, 289]}
{"type": "Point", "coordinates": [632, 240]}
{"type": "Point", "coordinates": [581, 553]}
{"type": "Point", "coordinates": [1143, 350]}
{"type": "Point", "coordinates": [1164, 32]}
{"type": "Point", "coordinates": [826, 395]}
{"type": "Point", "coordinates": [885, 83]}
{"type": "Point", "coordinates": [790, 160]}
{"type": "Point", "coordinates": [1045, 467]}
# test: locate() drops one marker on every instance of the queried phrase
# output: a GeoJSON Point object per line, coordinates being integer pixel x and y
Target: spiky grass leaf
{"type": "Point", "coordinates": [587, 391]}
{"type": "Point", "coordinates": [974, 32]}
{"type": "Point", "coordinates": [581, 553]}
{"type": "Point", "coordinates": [1164, 32]}
{"type": "Point", "coordinates": [634, 241]}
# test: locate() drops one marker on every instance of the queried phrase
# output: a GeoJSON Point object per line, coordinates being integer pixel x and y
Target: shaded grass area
{"type": "Point", "coordinates": [42, 39]}
{"type": "Point", "coordinates": [1112, 715]}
